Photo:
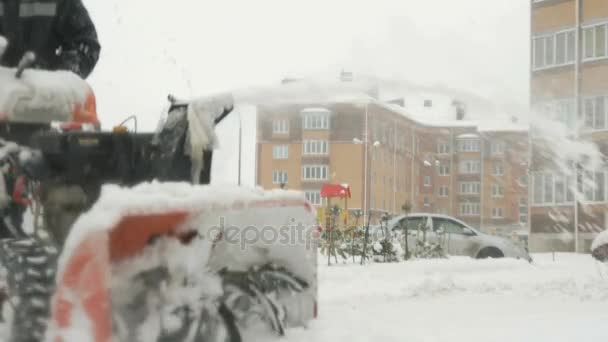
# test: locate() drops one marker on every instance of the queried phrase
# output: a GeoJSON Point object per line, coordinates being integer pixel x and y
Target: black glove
{"type": "Point", "coordinates": [70, 61]}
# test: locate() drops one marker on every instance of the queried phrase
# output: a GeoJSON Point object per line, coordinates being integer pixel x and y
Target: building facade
{"type": "Point", "coordinates": [479, 176]}
{"type": "Point", "coordinates": [569, 84]}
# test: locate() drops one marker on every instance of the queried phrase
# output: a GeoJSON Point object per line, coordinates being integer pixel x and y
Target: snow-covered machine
{"type": "Point", "coordinates": [128, 241]}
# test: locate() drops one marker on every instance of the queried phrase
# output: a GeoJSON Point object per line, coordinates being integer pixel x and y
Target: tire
{"type": "Point", "coordinates": [490, 252]}
{"type": "Point", "coordinates": [30, 268]}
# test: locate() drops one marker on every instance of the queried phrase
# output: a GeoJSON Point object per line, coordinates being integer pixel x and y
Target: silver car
{"type": "Point", "coordinates": [456, 237]}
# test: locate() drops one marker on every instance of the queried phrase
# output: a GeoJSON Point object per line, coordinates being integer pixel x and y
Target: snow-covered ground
{"type": "Point", "coordinates": [462, 299]}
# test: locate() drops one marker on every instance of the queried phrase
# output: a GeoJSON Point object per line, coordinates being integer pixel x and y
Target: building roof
{"type": "Point", "coordinates": [428, 106]}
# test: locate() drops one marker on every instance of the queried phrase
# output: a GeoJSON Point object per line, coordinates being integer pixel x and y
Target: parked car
{"type": "Point", "coordinates": [457, 237]}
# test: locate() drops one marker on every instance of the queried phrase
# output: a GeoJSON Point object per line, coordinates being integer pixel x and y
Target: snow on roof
{"type": "Point", "coordinates": [315, 109]}
{"type": "Point", "coordinates": [468, 136]}
{"type": "Point", "coordinates": [429, 106]}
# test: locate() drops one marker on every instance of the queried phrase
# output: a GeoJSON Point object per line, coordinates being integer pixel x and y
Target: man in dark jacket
{"type": "Point", "coordinates": [59, 32]}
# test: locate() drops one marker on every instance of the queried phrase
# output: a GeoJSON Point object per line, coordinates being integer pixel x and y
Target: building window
{"type": "Point", "coordinates": [316, 118]}
{"type": "Point", "coordinates": [444, 191]}
{"type": "Point", "coordinates": [523, 211]}
{"type": "Point", "coordinates": [279, 177]}
{"type": "Point", "coordinates": [314, 197]}
{"type": "Point", "coordinates": [444, 169]}
{"type": "Point", "coordinates": [555, 49]}
{"type": "Point", "coordinates": [470, 188]}
{"type": "Point", "coordinates": [594, 42]}
{"type": "Point", "coordinates": [315, 172]}
{"type": "Point", "coordinates": [469, 145]}
{"type": "Point", "coordinates": [280, 126]}
{"type": "Point", "coordinates": [469, 209]}
{"type": "Point", "coordinates": [315, 147]}
{"type": "Point", "coordinates": [497, 213]}
{"type": "Point", "coordinates": [427, 181]}
{"type": "Point", "coordinates": [427, 202]}
{"type": "Point", "coordinates": [595, 113]}
{"type": "Point", "coordinates": [470, 167]}
{"type": "Point", "coordinates": [443, 148]}
{"type": "Point", "coordinates": [594, 186]}
{"type": "Point", "coordinates": [442, 211]}
{"type": "Point", "coordinates": [280, 152]}
{"type": "Point", "coordinates": [563, 110]}
{"type": "Point", "coordinates": [498, 147]}
{"type": "Point", "coordinates": [497, 191]}
{"type": "Point", "coordinates": [550, 189]}
{"type": "Point", "coordinates": [498, 168]}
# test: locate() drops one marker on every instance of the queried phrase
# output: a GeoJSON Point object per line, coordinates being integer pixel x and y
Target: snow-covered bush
{"type": "Point", "coordinates": [599, 248]}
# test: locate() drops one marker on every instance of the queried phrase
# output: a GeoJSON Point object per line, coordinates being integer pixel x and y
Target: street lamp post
{"type": "Point", "coordinates": [367, 168]}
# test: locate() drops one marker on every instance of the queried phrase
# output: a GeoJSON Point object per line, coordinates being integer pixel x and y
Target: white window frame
{"type": "Point", "coordinates": [315, 172]}
{"type": "Point", "coordinates": [561, 110]}
{"type": "Point", "coordinates": [315, 147]}
{"type": "Point", "coordinates": [280, 126]}
{"type": "Point", "coordinates": [593, 115]}
{"type": "Point", "coordinates": [566, 184]}
{"type": "Point", "coordinates": [497, 213]}
{"type": "Point", "coordinates": [497, 191]}
{"type": "Point", "coordinates": [470, 167]}
{"type": "Point", "coordinates": [279, 177]}
{"type": "Point", "coordinates": [543, 38]}
{"type": "Point", "coordinates": [444, 169]}
{"type": "Point", "coordinates": [498, 168]}
{"type": "Point", "coordinates": [314, 197]}
{"type": "Point", "coordinates": [498, 147]}
{"type": "Point", "coordinates": [469, 145]}
{"type": "Point", "coordinates": [591, 177]}
{"type": "Point", "coordinates": [428, 181]}
{"type": "Point", "coordinates": [444, 191]}
{"type": "Point", "coordinates": [443, 147]}
{"type": "Point", "coordinates": [280, 152]}
{"type": "Point", "coordinates": [470, 209]}
{"type": "Point", "coordinates": [316, 119]}
{"type": "Point", "coordinates": [470, 188]}
{"type": "Point", "coordinates": [594, 27]}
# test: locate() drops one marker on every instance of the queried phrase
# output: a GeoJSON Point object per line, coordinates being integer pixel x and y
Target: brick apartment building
{"type": "Point", "coordinates": [452, 167]}
{"type": "Point", "coordinates": [569, 83]}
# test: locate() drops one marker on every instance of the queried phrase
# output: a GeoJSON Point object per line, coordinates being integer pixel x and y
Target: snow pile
{"type": "Point", "coordinates": [40, 96]}
{"type": "Point", "coordinates": [462, 299]}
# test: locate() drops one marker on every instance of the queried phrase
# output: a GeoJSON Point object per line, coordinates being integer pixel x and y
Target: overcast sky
{"type": "Point", "coordinates": [196, 47]}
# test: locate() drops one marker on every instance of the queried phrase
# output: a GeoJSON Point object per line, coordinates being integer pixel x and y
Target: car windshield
{"type": "Point", "coordinates": [304, 170]}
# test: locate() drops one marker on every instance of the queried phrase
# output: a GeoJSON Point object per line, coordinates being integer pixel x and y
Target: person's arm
{"type": "Point", "coordinates": [80, 47]}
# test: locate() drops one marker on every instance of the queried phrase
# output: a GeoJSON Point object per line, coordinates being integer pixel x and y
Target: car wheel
{"type": "Point", "coordinates": [490, 252]}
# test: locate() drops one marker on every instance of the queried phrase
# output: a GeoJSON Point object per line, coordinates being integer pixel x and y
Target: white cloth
{"type": "Point", "coordinates": [201, 128]}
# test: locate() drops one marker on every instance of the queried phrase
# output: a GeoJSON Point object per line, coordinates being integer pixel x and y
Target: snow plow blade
{"type": "Point", "coordinates": [176, 262]}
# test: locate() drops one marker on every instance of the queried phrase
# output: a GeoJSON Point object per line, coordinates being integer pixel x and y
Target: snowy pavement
{"type": "Point", "coordinates": [462, 299]}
